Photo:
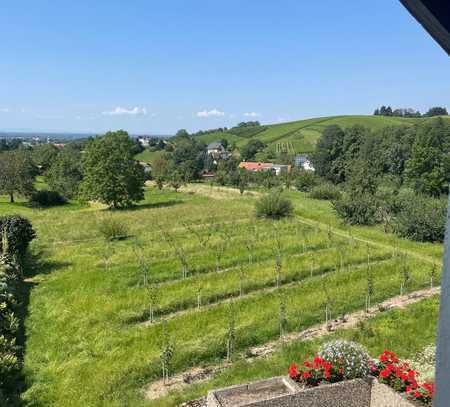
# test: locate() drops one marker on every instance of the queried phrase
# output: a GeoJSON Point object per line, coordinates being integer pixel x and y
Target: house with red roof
{"type": "Point", "coordinates": [257, 166]}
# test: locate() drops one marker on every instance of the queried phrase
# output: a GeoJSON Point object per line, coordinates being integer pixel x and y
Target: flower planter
{"type": "Point", "coordinates": [284, 392]}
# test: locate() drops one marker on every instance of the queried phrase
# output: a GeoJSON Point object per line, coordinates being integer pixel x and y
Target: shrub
{"type": "Point", "coordinates": [274, 205]}
{"type": "Point", "coordinates": [18, 233]}
{"type": "Point", "coordinates": [305, 181]}
{"type": "Point", "coordinates": [421, 218]}
{"type": "Point", "coordinates": [357, 210]}
{"type": "Point", "coordinates": [351, 357]}
{"type": "Point", "coordinates": [47, 198]}
{"type": "Point", "coordinates": [327, 191]}
{"type": "Point", "coordinates": [113, 229]}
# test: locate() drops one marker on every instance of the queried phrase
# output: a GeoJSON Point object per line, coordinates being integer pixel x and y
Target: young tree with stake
{"type": "Point", "coordinates": [154, 296]}
{"type": "Point", "coordinates": [167, 350]}
{"type": "Point", "coordinates": [282, 316]}
{"type": "Point", "coordinates": [231, 331]}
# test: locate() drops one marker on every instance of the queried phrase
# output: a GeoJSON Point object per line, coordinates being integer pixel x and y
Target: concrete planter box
{"type": "Point", "coordinates": [284, 392]}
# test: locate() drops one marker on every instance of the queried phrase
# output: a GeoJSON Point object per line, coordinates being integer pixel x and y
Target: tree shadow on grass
{"type": "Point", "coordinates": [154, 205]}
{"type": "Point", "coordinates": [37, 263]}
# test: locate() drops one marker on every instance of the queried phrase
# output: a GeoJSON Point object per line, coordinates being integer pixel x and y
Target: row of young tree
{"type": "Point", "coordinates": [409, 112]}
{"type": "Point", "coordinates": [397, 176]}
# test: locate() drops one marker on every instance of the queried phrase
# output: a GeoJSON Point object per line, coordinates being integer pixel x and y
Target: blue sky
{"type": "Point", "coordinates": [157, 66]}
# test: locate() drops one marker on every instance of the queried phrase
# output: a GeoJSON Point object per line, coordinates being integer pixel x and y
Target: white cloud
{"type": "Point", "coordinates": [252, 114]}
{"type": "Point", "coordinates": [4, 110]}
{"type": "Point", "coordinates": [210, 113]}
{"type": "Point", "coordinates": [120, 111]}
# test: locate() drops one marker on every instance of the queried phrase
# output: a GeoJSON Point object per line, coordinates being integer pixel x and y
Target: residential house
{"type": "Point", "coordinates": [256, 166]}
{"type": "Point", "coordinates": [217, 151]}
{"type": "Point", "coordinates": [303, 161]}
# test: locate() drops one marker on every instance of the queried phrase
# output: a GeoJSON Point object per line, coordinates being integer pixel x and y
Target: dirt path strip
{"type": "Point", "coordinates": [158, 389]}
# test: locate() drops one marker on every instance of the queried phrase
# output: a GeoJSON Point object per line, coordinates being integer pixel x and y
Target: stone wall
{"type": "Point", "coordinates": [284, 392]}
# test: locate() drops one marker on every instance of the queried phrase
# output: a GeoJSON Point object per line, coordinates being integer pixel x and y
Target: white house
{"type": "Point", "coordinates": [303, 161]}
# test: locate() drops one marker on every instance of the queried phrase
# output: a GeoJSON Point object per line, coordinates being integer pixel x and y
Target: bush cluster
{"type": "Point", "coordinates": [46, 198]}
{"type": "Point", "coordinates": [305, 181]}
{"type": "Point", "coordinates": [357, 210]}
{"type": "Point", "coordinates": [326, 191]}
{"type": "Point", "coordinates": [421, 218]}
{"type": "Point", "coordinates": [274, 206]}
{"type": "Point", "coordinates": [113, 229]}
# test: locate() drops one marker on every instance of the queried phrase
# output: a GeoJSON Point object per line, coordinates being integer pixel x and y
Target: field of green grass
{"type": "Point", "coordinates": [303, 134]}
{"type": "Point", "coordinates": [148, 156]}
{"type": "Point", "coordinates": [89, 341]}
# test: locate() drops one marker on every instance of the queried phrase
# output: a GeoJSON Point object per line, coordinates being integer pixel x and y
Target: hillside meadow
{"type": "Point", "coordinates": [301, 136]}
{"type": "Point", "coordinates": [89, 340]}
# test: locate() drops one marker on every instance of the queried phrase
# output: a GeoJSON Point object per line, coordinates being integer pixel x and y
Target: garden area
{"type": "Point", "coordinates": [191, 279]}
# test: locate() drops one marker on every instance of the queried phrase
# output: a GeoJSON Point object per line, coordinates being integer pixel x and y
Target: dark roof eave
{"type": "Point", "coordinates": [432, 23]}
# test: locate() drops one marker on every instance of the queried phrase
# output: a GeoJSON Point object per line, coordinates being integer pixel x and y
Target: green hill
{"type": "Point", "coordinates": [301, 136]}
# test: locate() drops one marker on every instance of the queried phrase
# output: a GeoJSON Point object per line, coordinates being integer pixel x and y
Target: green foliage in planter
{"type": "Point", "coordinates": [350, 356]}
{"type": "Point", "coordinates": [326, 191]}
{"type": "Point", "coordinates": [46, 198]}
{"type": "Point", "coordinates": [421, 218]}
{"type": "Point", "coordinates": [113, 229]}
{"type": "Point", "coordinates": [274, 205]}
{"type": "Point", "coordinates": [357, 210]}
{"type": "Point", "coordinates": [18, 233]}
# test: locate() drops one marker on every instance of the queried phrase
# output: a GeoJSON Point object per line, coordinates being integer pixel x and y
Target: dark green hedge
{"type": "Point", "coordinates": [18, 233]}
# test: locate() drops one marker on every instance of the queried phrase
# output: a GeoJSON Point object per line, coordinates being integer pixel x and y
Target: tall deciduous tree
{"type": "Point", "coordinates": [64, 174]}
{"type": "Point", "coordinates": [111, 175]}
{"type": "Point", "coordinates": [428, 170]}
{"type": "Point", "coordinates": [17, 173]}
{"type": "Point", "coordinates": [329, 149]}
{"type": "Point", "coordinates": [44, 155]}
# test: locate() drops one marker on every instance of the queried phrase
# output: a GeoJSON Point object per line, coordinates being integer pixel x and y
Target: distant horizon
{"type": "Point", "coordinates": [30, 133]}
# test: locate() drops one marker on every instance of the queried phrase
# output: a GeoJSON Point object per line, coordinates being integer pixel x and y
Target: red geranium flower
{"type": "Point", "coordinates": [293, 371]}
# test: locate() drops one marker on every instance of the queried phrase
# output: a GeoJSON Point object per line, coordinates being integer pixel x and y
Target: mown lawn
{"type": "Point", "coordinates": [86, 342]}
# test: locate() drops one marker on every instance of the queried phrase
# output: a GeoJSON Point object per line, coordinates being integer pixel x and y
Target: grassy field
{"type": "Point", "coordinates": [148, 156]}
{"type": "Point", "coordinates": [303, 134]}
{"type": "Point", "coordinates": [87, 343]}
